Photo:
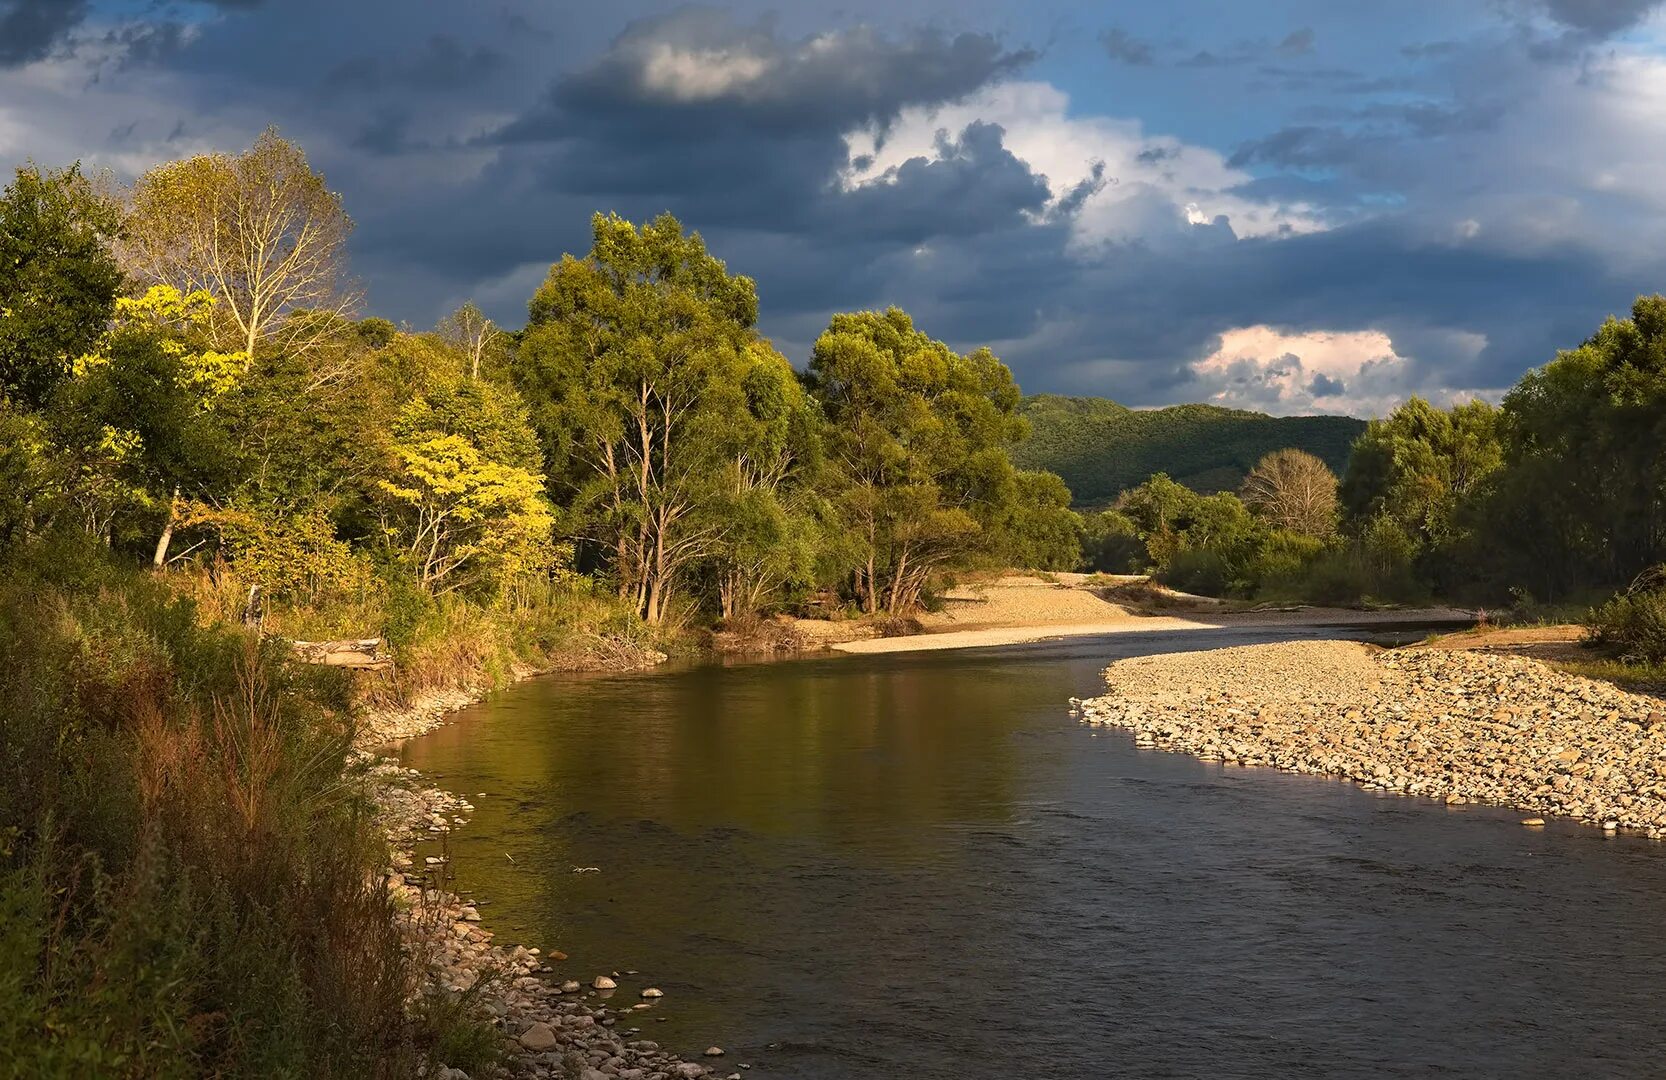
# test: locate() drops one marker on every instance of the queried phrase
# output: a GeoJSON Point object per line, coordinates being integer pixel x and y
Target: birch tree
{"type": "Point", "coordinates": [260, 231]}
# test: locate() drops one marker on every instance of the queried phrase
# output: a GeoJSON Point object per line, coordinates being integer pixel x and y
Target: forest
{"type": "Point", "coordinates": [1101, 448]}
{"type": "Point", "coordinates": [200, 430]}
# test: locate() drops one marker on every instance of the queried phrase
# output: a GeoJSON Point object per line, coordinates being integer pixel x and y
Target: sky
{"type": "Point", "coordinates": [1296, 206]}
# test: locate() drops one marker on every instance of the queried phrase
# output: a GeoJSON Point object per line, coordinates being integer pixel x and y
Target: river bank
{"type": "Point", "coordinates": [1017, 610]}
{"type": "Point", "coordinates": [1457, 726]}
{"type": "Point", "coordinates": [552, 1027]}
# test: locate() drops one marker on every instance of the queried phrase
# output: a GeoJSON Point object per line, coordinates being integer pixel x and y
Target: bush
{"type": "Point", "coordinates": [1198, 570]}
{"type": "Point", "coordinates": [189, 880]}
{"type": "Point", "coordinates": [1633, 624]}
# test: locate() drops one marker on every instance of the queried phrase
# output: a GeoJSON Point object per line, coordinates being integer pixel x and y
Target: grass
{"type": "Point", "coordinates": [1640, 678]}
{"type": "Point", "coordinates": [189, 867]}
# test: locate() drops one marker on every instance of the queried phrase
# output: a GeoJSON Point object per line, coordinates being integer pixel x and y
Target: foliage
{"type": "Point", "coordinates": [188, 882]}
{"type": "Point", "coordinates": [635, 363]}
{"type": "Point", "coordinates": [58, 278]}
{"type": "Point", "coordinates": [917, 436]}
{"type": "Point", "coordinates": [1420, 464]}
{"type": "Point", "coordinates": [1294, 491]}
{"type": "Point", "coordinates": [1632, 623]}
{"type": "Point", "coordinates": [462, 501]}
{"type": "Point", "coordinates": [260, 231]}
{"type": "Point", "coordinates": [1102, 449]}
{"type": "Point", "coordinates": [1111, 543]}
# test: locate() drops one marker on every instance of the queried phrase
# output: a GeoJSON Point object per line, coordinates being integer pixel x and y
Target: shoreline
{"type": "Point", "coordinates": [552, 1027]}
{"type": "Point", "coordinates": [980, 637]}
{"type": "Point", "coordinates": [1452, 725]}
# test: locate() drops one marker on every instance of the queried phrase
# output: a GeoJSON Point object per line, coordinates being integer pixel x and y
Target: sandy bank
{"type": "Point", "coordinates": [1452, 725]}
{"type": "Point", "coordinates": [1016, 610]}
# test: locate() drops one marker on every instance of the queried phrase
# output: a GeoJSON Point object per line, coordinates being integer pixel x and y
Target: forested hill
{"type": "Point", "coordinates": [1101, 448]}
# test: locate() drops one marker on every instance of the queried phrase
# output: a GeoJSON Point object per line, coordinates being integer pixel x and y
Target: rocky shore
{"type": "Point", "coordinates": [553, 1024]}
{"type": "Point", "coordinates": [1456, 726]}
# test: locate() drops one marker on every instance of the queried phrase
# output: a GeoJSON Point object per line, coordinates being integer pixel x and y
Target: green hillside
{"type": "Point", "coordinates": [1102, 448]}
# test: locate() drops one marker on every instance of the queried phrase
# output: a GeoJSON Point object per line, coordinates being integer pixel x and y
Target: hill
{"type": "Point", "coordinates": [1101, 448]}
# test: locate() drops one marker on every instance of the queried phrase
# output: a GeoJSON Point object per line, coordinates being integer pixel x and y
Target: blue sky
{"type": "Point", "coordinates": [1292, 206]}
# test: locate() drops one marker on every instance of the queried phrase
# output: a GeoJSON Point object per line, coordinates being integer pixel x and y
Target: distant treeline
{"type": "Point", "coordinates": [1101, 448]}
{"type": "Point", "coordinates": [1557, 495]}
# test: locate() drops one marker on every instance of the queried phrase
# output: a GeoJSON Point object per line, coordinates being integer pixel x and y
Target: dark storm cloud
{"type": "Point", "coordinates": [31, 29]}
{"type": "Point", "coordinates": [1124, 48]}
{"type": "Point", "coordinates": [442, 63]}
{"type": "Point", "coordinates": [1323, 386]}
{"type": "Point", "coordinates": [1600, 17]}
{"type": "Point", "coordinates": [1303, 147]}
{"type": "Point", "coordinates": [698, 62]}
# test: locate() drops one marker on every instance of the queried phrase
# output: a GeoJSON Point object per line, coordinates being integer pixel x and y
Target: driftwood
{"type": "Point", "coordinates": [367, 654]}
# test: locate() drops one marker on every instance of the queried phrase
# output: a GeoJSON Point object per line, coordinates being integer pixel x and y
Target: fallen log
{"type": "Point", "coordinates": [368, 654]}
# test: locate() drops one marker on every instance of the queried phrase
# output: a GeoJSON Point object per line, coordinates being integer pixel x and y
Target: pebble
{"type": "Point", "coordinates": [1455, 726]}
{"type": "Point", "coordinates": [602, 982]}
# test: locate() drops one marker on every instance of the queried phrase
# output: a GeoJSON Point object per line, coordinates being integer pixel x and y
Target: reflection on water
{"type": "Point", "coordinates": [919, 866]}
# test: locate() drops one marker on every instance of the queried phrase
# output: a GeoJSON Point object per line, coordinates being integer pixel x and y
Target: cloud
{"type": "Point", "coordinates": [1122, 47]}
{"type": "Point", "coordinates": [1601, 17]}
{"type": "Point", "coordinates": [1354, 372]}
{"type": "Point", "coordinates": [1151, 189]}
{"type": "Point", "coordinates": [1297, 42]}
{"type": "Point", "coordinates": [699, 62]}
{"type": "Point", "coordinates": [30, 29]}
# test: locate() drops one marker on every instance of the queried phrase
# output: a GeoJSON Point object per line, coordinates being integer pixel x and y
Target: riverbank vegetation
{"type": "Point", "coordinates": [1546, 504]}
{"type": "Point", "coordinates": [207, 451]}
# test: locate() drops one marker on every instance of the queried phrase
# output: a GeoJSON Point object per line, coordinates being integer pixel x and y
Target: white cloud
{"type": "Point", "coordinates": [1353, 372]}
{"type": "Point", "coordinates": [699, 74]}
{"type": "Point", "coordinates": [1155, 185]}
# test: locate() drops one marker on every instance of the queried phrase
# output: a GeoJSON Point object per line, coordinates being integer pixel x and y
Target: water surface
{"type": "Point", "coordinates": [920, 866]}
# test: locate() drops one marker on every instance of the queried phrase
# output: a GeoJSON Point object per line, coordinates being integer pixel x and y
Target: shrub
{"type": "Point", "coordinates": [1633, 624]}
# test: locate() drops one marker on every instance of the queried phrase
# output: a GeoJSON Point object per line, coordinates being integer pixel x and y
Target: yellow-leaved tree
{"type": "Point", "coordinates": [463, 501]}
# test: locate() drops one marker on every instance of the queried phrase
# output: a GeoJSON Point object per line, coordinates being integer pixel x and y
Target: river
{"type": "Point", "coordinates": [920, 866]}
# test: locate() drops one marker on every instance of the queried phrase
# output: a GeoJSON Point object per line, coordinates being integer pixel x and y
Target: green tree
{"type": "Point", "coordinates": [1584, 440]}
{"type": "Point", "coordinates": [58, 278]}
{"type": "Point", "coordinates": [1419, 465]}
{"type": "Point", "coordinates": [917, 439]}
{"type": "Point", "coordinates": [635, 362]}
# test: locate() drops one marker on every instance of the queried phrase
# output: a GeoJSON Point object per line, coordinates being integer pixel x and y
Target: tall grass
{"type": "Point", "coordinates": [189, 869]}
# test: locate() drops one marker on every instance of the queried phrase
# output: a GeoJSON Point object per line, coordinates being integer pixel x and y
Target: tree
{"type": "Point", "coordinates": [463, 500]}
{"type": "Point", "coordinates": [472, 334]}
{"type": "Point", "coordinates": [635, 361]}
{"type": "Point", "coordinates": [138, 418]}
{"type": "Point", "coordinates": [772, 516]}
{"type": "Point", "coordinates": [1419, 464]}
{"type": "Point", "coordinates": [260, 231]}
{"type": "Point", "coordinates": [1295, 491]}
{"type": "Point", "coordinates": [58, 278]}
{"type": "Point", "coordinates": [917, 439]}
{"type": "Point", "coordinates": [1581, 499]}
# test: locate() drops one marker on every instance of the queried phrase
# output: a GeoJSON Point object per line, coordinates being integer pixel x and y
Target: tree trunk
{"type": "Point", "coordinates": [161, 557]}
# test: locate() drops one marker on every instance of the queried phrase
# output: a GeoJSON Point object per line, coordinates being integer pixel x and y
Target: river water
{"type": "Point", "coordinates": [919, 866]}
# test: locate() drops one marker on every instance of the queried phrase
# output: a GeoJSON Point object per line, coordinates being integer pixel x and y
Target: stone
{"type": "Point", "coordinates": [653, 992]}
{"type": "Point", "coordinates": [714, 1051]}
{"type": "Point", "coordinates": [539, 1037]}
{"type": "Point", "coordinates": [571, 986]}
{"type": "Point", "coordinates": [1533, 822]}
{"type": "Point", "coordinates": [602, 982]}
